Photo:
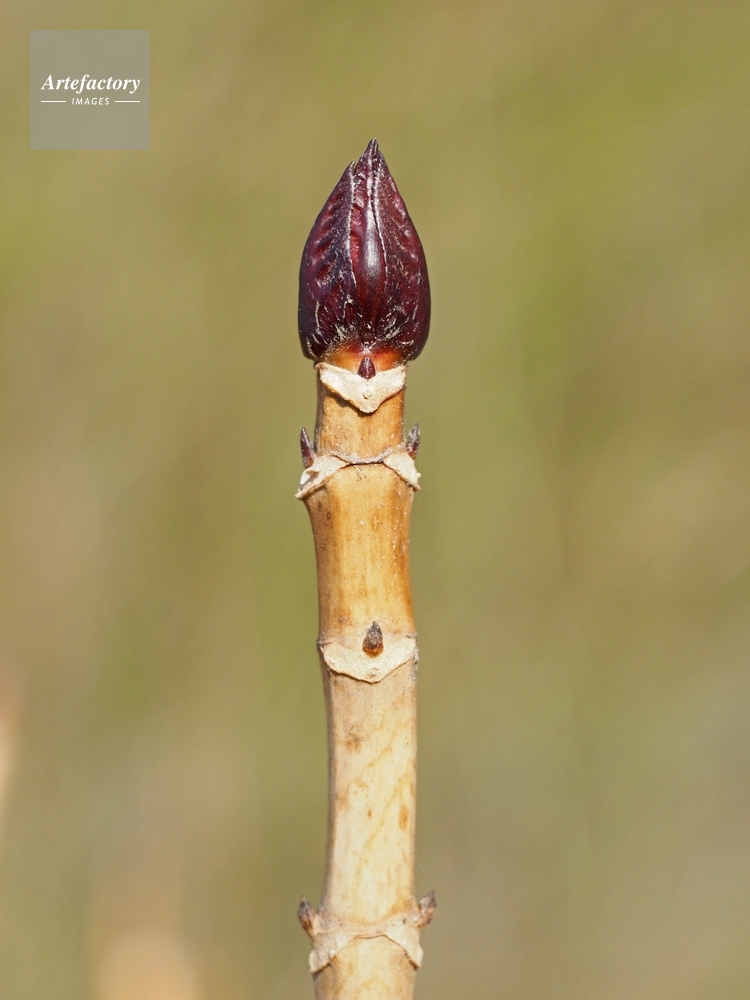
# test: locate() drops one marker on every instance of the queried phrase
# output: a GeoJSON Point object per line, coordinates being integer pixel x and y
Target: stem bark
{"type": "Point", "coordinates": [365, 933]}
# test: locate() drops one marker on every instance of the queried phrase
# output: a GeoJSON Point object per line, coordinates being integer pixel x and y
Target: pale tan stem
{"type": "Point", "coordinates": [366, 932]}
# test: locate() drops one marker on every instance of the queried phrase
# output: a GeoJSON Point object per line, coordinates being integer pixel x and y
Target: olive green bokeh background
{"type": "Point", "coordinates": [579, 173]}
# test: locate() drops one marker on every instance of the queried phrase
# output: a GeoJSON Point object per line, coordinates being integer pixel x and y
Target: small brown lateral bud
{"type": "Point", "coordinates": [306, 916]}
{"type": "Point", "coordinates": [308, 452]}
{"type": "Point", "coordinates": [366, 367]}
{"type": "Point", "coordinates": [363, 277]}
{"type": "Point", "coordinates": [427, 906]}
{"type": "Point", "coordinates": [412, 441]}
{"type": "Point", "coordinates": [373, 641]}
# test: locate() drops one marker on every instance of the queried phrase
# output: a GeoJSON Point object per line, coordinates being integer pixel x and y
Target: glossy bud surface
{"type": "Point", "coordinates": [364, 288]}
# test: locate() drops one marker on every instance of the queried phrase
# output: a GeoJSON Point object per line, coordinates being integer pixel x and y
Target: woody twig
{"type": "Point", "coordinates": [364, 314]}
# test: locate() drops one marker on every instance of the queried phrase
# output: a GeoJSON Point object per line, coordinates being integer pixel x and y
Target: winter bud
{"type": "Point", "coordinates": [364, 291]}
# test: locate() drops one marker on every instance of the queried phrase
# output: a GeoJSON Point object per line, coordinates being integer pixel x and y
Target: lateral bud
{"type": "Point", "coordinates": [305, 445]}
{"type": "Point", "coordinates": [307, 916]}
{"type": "Point", "coordinates": [372, 644]}
{"type": "Point", "coordinates": [427, 906]}
{"type": "Point", "coordinates": [366, 368]}
{"type": "Point", "coordinates": [412, 441]}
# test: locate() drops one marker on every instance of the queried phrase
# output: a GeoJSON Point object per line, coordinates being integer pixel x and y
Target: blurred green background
{"type": "Point", "coordinates": [579, 173]}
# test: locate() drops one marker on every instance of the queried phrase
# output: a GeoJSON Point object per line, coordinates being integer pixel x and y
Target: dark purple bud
{"type": "Point", "coordinates": [366, 367]}
{"type": "Point", "coordinates": [363, 277]}
{"type": "Point", "coordinates": [412, 441]}
{"type": "Point", "coordinates": [305, 446]}
{"type": "Point", "coordinates": [372, 644]}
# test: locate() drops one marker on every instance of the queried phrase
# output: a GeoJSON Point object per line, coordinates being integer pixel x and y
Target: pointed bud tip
{"type": "Point", "coordinates": [364, 287]}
